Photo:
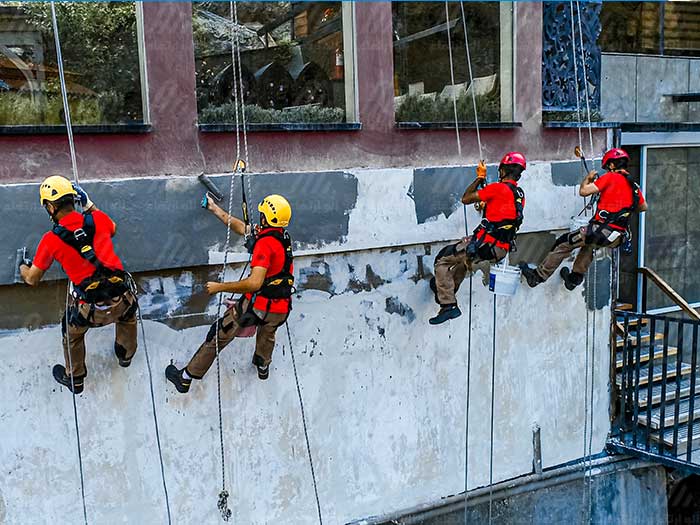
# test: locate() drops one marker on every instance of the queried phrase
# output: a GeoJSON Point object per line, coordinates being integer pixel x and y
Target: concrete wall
{"type": "Point", "coordinates": [634, 88]}
{"type": "Point", "coordinates": [384, 391]}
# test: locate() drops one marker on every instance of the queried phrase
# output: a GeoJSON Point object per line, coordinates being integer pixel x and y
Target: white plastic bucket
{"type": "Point", "coordinates": [579, 221]}
{"type": "Point", "coordinates": [504, 279]}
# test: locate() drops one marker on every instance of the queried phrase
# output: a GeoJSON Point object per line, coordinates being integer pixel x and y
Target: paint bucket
{"type": "Point", "coordinates": [579, 221]}
{"type": "Point", "coordinates": [504, 279]}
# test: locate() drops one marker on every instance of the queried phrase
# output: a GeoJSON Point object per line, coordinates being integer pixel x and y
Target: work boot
{"type": "Point", "coordinates": [120, 352]}
{"type": "Point", "coordinates": [174, 375]}
{"type": "Point", "coordinates": [571, 279]}
{"type": "Point", "coordinates": [531, 276]}
{"type": "Point", "coordinates": [263, 369]}
{"type": "Point", "coordinates": [447, 312]}
{"type": "Point", "coordinates": [75, 386]}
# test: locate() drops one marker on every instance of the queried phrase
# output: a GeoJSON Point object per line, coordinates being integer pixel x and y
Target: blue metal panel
{"type": "Point", "coordinates": [558, 76]}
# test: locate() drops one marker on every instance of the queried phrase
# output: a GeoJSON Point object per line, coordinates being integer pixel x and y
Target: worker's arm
{"type": "Point", "coordinates": [236, 224]}
{"type": "Point", "coordinates": [250, 284]}
{"type": "Point", "coordinates": [31, 274]}
{"type": "Point", "coordinates": [471, 194]}
{"type": "Point", "coordinates": [588, 187]}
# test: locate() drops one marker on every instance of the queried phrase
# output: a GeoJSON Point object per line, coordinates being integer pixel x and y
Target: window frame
{"type": "Point", "coordinates": [144, 126]}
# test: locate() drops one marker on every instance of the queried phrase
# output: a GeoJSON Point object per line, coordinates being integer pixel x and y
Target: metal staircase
{"type": "Point", "coordinates": [657, 384]}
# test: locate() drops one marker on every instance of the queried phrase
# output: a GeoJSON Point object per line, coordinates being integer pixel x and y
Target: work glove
{"type": "Point", "coordinates": [205, 201]}
{"type": "Point", "coordinates": [481, 170]}
{"type": "Point", "coordinates": [83, 197]}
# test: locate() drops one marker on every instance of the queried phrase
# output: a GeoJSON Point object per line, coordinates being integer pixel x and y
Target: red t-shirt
{"type": "Point", "coordinates": [51, 248]}
{"type": "Point", "coordinates": [500, 204]}
{"type": "Point", "coordinates": [269, 254]}
{"type": "Point", "coordinates": [615, 193]}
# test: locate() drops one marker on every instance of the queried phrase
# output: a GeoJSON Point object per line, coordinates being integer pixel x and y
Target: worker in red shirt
{"type": "Point", "coordinates": [620, 196]}
{"type": "Point", "coordinates": [502, 204]}
{"type": "Point", "coordinates": [266, 293]}
{"type": "Point", "coordinates": [101, 292]}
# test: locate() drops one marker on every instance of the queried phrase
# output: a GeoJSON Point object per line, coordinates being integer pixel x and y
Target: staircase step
{"type": "Point", "coordinates": [644, 355]}
{"type": "Point", "coordinates": [682, 437]}
{"type": "Point", "coordinates": [669, 413]}
{"type": "Point", "coordinates": [632, 322]}
{"type": "Point", "coordinates": [624, 306]}
{"type": "Point", "coordinates": [657, 374]}
{"type": "Point", "coordinates": [632, 338]}
{"type": "Point", "coordinates": [670, 392]}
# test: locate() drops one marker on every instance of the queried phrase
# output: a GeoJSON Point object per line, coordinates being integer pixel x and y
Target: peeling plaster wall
{"type": "Point", "coordinates": [384, 391]}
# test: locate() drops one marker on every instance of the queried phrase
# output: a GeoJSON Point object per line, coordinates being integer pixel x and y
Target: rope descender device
{"type": "Point", "coordinates": [240, 167]}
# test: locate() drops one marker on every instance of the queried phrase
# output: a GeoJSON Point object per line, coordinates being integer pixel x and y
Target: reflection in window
{"type": "Point", "coordinates": [292, 61]}
{"type": "Point", "coordinates": [422, 83]}
{"type": "Point", "coordinates": [100, 55]}
{"type": "Point", "coordinates": [659, 28]}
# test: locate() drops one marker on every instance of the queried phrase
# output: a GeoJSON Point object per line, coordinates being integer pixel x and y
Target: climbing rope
{"type": "Point", "coordinates": [493, 409]}
{"type": "Point", "coordinates": [74, 165]}
{"type": "Point", "coordinates": [452, 77]}
{"type": "Point", "coordinates": [471, 78]}
{"type": "Point", "coordinates": [589, 376]}
{"type": "Point", "coordinates": [132, 287]}
{"type": "Point", "coordinates": [75, 406]}
{"type": "Point", "coordinates": [303, 421]}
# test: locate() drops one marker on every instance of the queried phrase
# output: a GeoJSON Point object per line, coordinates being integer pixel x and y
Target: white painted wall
{"type": "Point", "coordinates": [384, 394]}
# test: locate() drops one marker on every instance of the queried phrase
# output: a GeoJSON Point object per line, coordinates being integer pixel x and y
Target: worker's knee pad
{"type": "Point", "coordinates": [575, 278]}
{"type": "Point", "coordinates": [258, 361]}
{"type": "Point", "coordinates": [211, 334]}
{"type": "Point", "coordinates": [120, 351]}
{"type": "Point", "coordinates": [567, 237]}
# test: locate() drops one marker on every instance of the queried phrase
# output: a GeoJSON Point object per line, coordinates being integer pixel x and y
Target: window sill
{"type": "Point", "coordinates": [77, 130]}
{"type": "Point", "coordinates": [659, 126]}
{"type": "Point", "coordinates": [567, 124]}
{"type": "Point", "coordinates": [460, 125]}
{"type": "Point", "coordinates": [301, 126]}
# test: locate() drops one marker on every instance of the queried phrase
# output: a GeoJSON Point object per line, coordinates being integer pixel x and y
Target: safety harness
{"type": "Point", "coordinates": [621, 218]}
{"type": "Point", "coordinates": [489, 235]}
{"type": "Point", "coordinates": [105, 283]}
{"type": "Point", "coordinates": [277, 286]}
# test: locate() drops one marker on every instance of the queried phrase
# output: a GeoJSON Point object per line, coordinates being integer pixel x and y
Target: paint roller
{"type": "Point", "coordinates": [211, 187]}
{"type": "Point", "coordinates": [19, 259]}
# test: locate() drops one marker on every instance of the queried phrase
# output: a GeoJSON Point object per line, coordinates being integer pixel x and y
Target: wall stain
{"type": "Point", "coordinates": [316, 277]}
{"type": "Point", "coordinates": [372, 280]}
{"type": "Point", "coordinates": [394, 306]}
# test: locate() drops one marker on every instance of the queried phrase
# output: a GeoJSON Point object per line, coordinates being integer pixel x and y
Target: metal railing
{"type": "Point", "coordinates": [650, 275]}
{"type": "Point", "coordinates": [656, 379]}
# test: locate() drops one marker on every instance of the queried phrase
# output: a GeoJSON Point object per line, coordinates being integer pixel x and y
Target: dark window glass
{"type": "Point", "coordinates": [658, 28]}
{"type": "Point", "coordinates": [101, 61]}
{"type": "Point", "coordinates": [422, 83]}
{"type": "Point", "coordinates": [292, 61]}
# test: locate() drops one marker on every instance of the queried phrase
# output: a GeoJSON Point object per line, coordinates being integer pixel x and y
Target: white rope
{"type": "Point", "coordinates": [452, 77]}
{"type": "Point", "coordinates": [585, 78]}
{"type": "Point", "coordinates": [64, 93]}
{"type": "Point", "coordinates": [471, 78]}
{"type": "Point", "coordinates": [573, 56]}
{"type": "Point", "coordinates": [493, 410]}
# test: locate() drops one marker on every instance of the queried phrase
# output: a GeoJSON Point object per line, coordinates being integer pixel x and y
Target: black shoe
{"type": "Point", "coordinates": [446, 313]}
{"type": "Point", "coordinates": [120, 352]}
{"type": "Point", "coordinates": [531, 276]}
{"type": "Point", "coordinates": [263, 372]}
{"type": "Point", "coordinates": [571, 279]}
{"type": "Point", "coordinates": [75, 385]}
{"type": "Point", "coordinates": [175, 377]}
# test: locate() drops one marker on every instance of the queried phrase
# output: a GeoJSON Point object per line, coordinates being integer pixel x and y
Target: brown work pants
{"type": "Point", "coordinates": [80, 317]}
{"type": "Point", "coordinates": [453, 264]}
{"type": "Point", "coordinates": [567, 243]}
{"type": "Point", "coordinates": [226, 329]}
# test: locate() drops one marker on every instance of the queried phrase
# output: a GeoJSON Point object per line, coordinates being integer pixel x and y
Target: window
{"type": "Point", "coordinates": [422, 79]}
{"type": "Point", "coordinates": [101, 61]}
{"type": "Point", "coordinates": [294, 65]}
{"type": "Point", "coordinates": [660, 28]}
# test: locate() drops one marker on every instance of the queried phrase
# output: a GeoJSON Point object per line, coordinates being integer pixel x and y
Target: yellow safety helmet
{"type": "Point", "coordinates": [55, 187]}
{"type": "Point", "coordinates": [277, 210]}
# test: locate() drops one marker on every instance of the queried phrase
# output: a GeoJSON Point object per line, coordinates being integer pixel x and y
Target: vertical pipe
{"type": "Point", "coordinates": [691, 398]}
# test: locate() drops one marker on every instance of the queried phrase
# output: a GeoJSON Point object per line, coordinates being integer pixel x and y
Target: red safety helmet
{"type": "Point", "coordinates": [614, 154]}
{"type": "Point", "coordinates": [514, 157]}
